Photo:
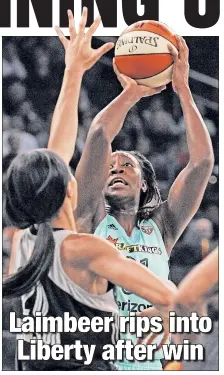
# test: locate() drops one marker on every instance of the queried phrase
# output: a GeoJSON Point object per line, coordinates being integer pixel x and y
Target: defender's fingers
{"type": "Point", "coordinates": [93, 27]}
{"type": "Point", "coordinates": [143, 338]}
{"type": "Point", "coordinates": [153, 337]}
{"type": "Point", "coordinates": [61, 36]}
{"type": "Point", "coordinates": [71, 23]}
{"type": "Point", "coordinates": [103, 49]}
{"type": "Point", "coordinates": [82, 23]}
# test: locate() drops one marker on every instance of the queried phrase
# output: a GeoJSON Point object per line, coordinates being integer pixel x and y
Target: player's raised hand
{"type": "Point", "coordinates": [149, 338]}
{"type": "Point", "coordinates": [79, 55]}
{"type": "Point", "coordinates": [135, 90]}
{"type": "Point", "coordinates": [180, 76]}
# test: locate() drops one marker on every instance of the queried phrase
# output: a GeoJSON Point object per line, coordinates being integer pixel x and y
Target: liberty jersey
{"type": "Point", "coordinates": [146, 246]}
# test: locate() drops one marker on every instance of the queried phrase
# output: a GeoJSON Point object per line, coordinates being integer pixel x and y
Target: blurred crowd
{"type": "Point", "coordinates": [32, 75]}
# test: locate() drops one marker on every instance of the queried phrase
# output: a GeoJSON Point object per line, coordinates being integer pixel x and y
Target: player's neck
{"type": "Point", "coordinates": [126, 220]}
{"type": "Point", "coordinates": [125, 210]}
{"type": "Point", "coordinates": [65, 218]}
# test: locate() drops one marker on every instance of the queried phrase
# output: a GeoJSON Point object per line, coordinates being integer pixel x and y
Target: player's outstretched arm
{"type": "Point", "coordinates": [79, 57]}
{"type": "Point", "coordinates": [188, 189]}
{"type": "Point", "coordinates": [106, 261]}
{"type": "Point", "coordinates": [93, 168]}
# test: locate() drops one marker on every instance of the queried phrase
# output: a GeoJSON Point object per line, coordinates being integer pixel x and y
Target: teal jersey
{"type": "Point", "coordinates": [146, 246]}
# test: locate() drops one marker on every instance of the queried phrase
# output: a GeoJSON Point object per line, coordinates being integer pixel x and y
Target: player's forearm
{"type": "Point", "coordinates": [64, 124]}
{"type": "Point", "coordinates": [136, 278]}
{"type": "Point", "coordinates": [198, 138]}
{"type": "Point", "coordinates": [111, 118]}
{"type": "Point", "coordinates": [141, 281]}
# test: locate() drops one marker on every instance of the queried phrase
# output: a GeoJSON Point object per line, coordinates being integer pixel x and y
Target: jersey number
{"type": "Point", "coordinates": [142, 261]}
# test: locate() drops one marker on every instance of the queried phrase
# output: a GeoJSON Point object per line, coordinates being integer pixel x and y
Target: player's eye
{"type": "Point", "coordinates": [128, 164]}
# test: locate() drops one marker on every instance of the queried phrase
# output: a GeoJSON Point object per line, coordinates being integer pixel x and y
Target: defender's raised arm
{"type": "Point", "coordinates": [79, 57]}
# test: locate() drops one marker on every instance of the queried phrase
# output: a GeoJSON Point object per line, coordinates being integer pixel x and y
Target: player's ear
{"type": "Point", "coordinates": [70, 190]}
{"type": "Point", "coordinates": [144, 186]}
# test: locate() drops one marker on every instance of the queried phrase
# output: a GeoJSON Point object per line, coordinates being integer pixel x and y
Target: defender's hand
{"type": "Point", "coordinates": [79, 55]}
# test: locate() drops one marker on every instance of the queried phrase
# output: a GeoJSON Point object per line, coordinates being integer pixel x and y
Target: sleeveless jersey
{"type": "Point", "coordinates": [53, 297]}
{"type": "Point", "coordinates": [145, 245]}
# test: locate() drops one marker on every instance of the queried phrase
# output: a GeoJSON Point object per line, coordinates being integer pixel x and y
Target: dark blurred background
{"type": "Point", "coordinates": [32, 76]}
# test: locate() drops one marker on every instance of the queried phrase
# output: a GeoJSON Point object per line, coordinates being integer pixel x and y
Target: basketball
{"type": "Point", "coordinates": [141, 53]}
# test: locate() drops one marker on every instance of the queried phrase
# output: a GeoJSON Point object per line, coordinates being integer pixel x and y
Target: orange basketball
{"type": "Point", "coordinates": [141, 53]}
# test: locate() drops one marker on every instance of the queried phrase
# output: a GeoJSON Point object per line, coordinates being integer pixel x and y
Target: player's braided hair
{"type": "Point", "coordinates": [35, 191]}
{"type": "Point", "coordinates": [152, 193]}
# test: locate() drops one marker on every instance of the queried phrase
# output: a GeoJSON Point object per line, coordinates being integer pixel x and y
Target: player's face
{"type": "Point", "coordinates": [125, 178]}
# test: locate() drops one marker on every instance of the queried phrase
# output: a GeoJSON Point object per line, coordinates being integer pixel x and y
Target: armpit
{"type": "Point", "coordinates": [164, 222]}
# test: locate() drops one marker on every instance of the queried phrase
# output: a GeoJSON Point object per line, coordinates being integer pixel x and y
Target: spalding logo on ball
{"type": "Point", "coordinates": [141, 53]}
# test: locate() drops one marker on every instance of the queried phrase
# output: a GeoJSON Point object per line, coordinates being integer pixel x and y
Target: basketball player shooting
{"type": "Point", "coordinates": [52, 266]}
{"type": "Point", "coordinates": [115, 189]}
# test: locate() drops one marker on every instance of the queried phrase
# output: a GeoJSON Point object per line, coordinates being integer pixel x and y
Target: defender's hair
{"type": "Point", "coordinates": [35, 191]}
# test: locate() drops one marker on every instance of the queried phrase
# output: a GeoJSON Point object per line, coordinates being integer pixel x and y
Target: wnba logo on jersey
{"type": "Point", "coordinates": [147, 229]}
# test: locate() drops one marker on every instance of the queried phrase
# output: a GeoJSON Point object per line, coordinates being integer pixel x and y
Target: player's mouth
{"type": "Point", "coordinates": [118, 182]}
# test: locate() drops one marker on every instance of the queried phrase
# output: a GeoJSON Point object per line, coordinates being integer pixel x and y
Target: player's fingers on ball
{"type": "Point", "coordinates": [104, 49]}
{"type": "Point", "coordinates": [120, 79]}
{"type": "Point", "coordinates": [71, 23]}
{"type": "Point", "coordinates": [173, 52]}
{"type": "Point", "coordinates": [150, 92]}
{"type": "Point", "coordinates": [115, 67]}
{"type": "Point", "coordinates": [61, 36]}
{"type": "Point", "coordinates": [93, 27]}
{"type": "Point", "coordinates": [124, 80]}
{"type": "Point", "coordinates": [175, 89]}
{"type": "Point", "coordinates": [185, 47]}
{"type": "Point", "coordinates": [157, 90]}
{"type": "Point", "coordinates": [161, 88]}
{"type": "Point", "coordinates": [180, 45]}
{"type": "Point", "coordinates": [82, 23]}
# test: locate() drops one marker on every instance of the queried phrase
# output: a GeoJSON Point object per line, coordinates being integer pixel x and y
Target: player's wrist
{"type": "Point", "coordinates": [130, 97]}
{"type": "Point", "coordinates": [74, 72]}
{"type": "Point", "coordinates": [183, 90]}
